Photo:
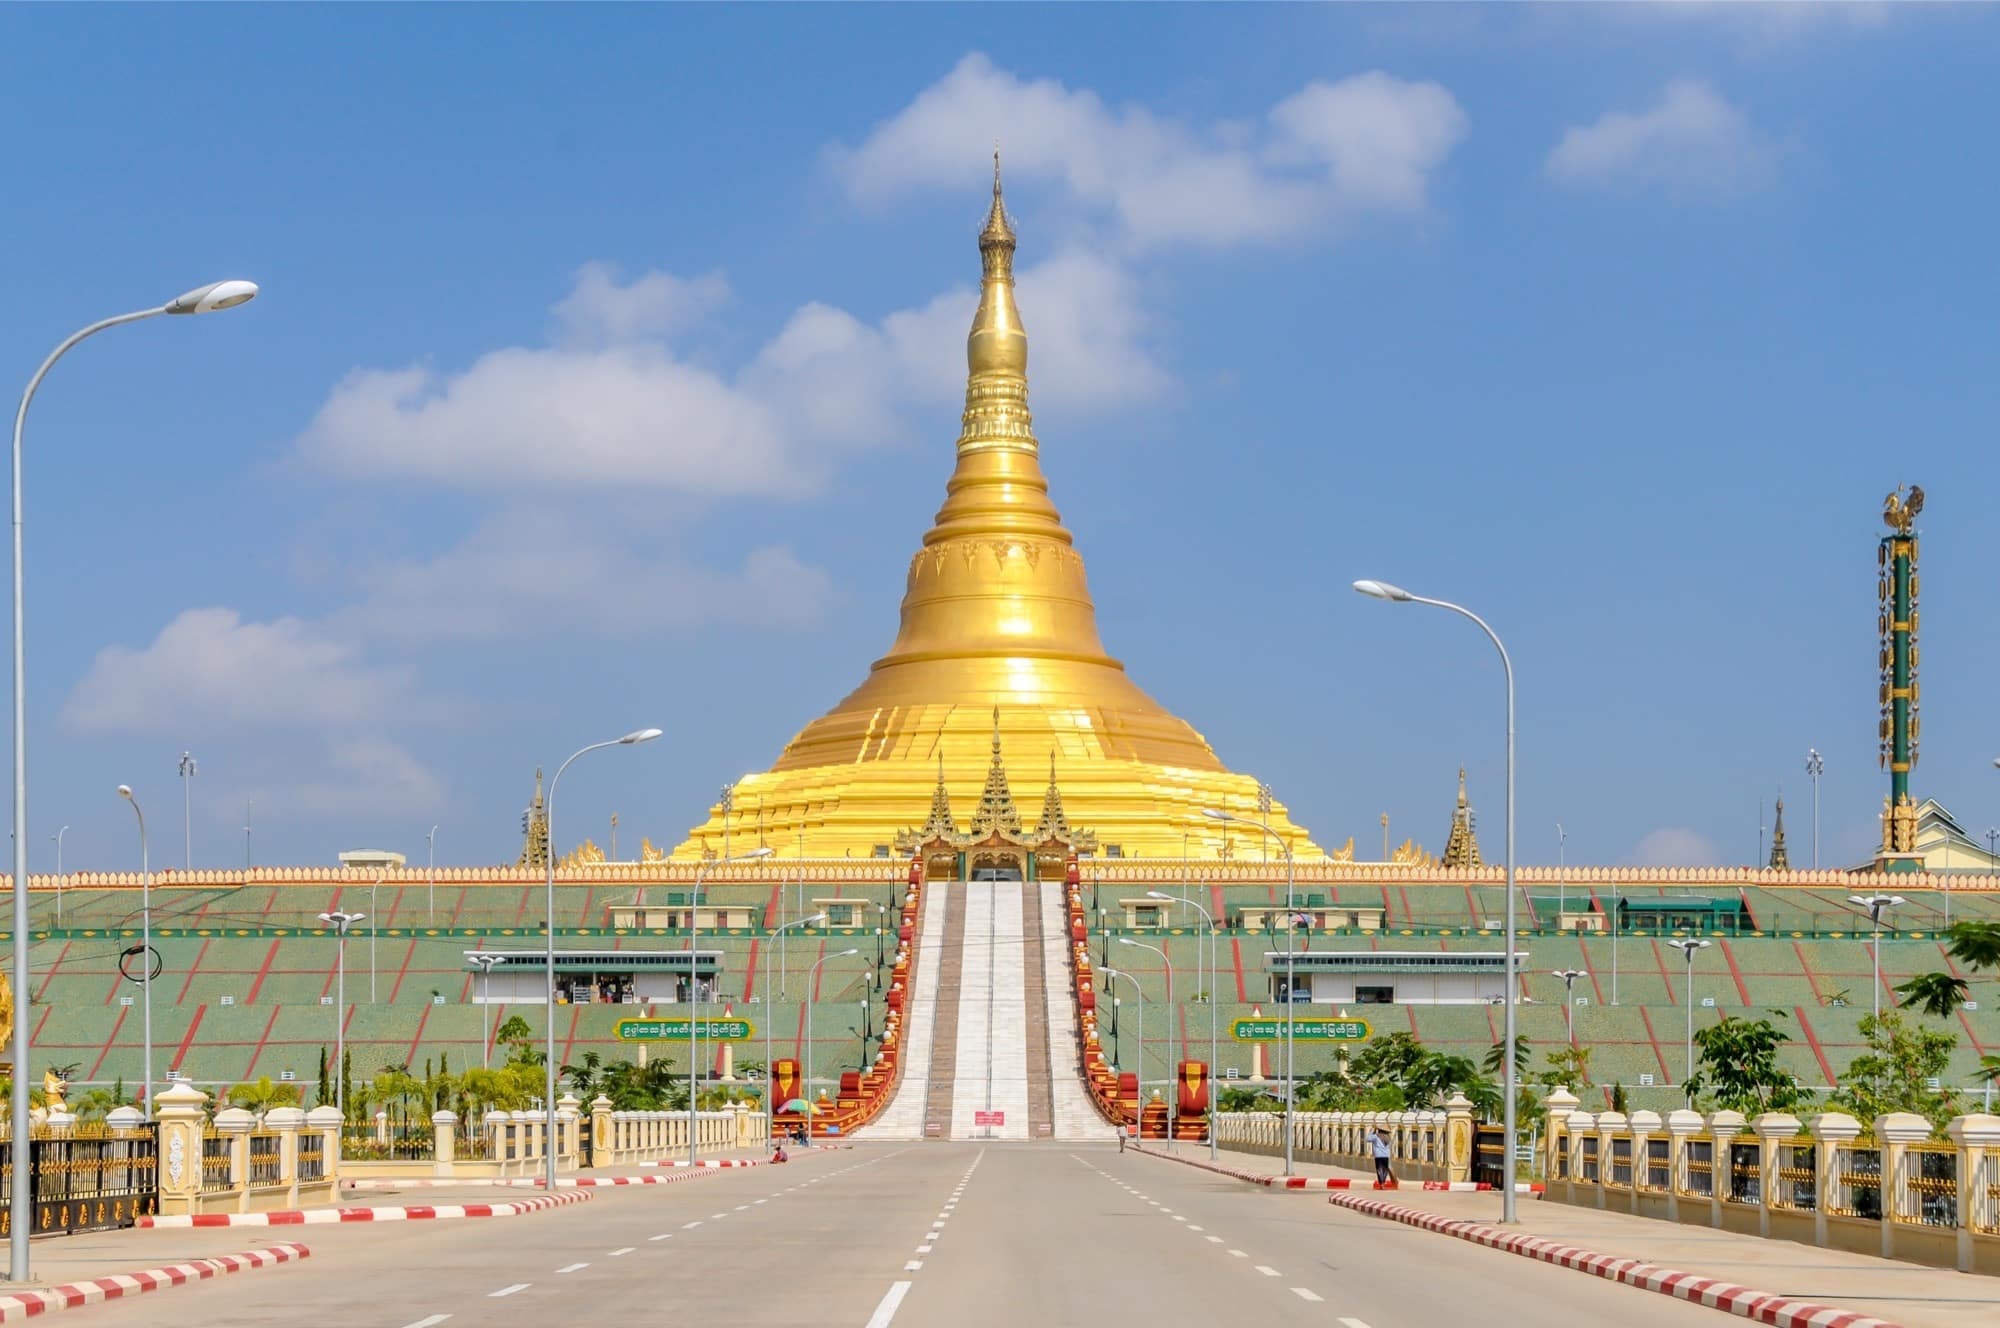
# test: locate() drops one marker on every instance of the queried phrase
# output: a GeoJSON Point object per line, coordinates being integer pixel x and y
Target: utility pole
{"type": "Point", "coordinates": [187, 805]}
{"type": "Point", "coordinates": [1815, 764]}
{"type": "Point", "coordinates": [248, 806]}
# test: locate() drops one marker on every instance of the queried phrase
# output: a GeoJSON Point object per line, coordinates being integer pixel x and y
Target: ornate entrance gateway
{"type": "Point", "coordinates": [995, 847]}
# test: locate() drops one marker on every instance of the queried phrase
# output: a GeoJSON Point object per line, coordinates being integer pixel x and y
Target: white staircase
{"type": "Point", "coordinates": [992, 1069]}
{"type": "Point", "coordinates": [1076, 1116]}
{"type": "Point", "coordinates": [903, 1118]}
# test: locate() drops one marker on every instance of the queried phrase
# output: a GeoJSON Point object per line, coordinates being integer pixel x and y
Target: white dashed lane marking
{"type": "Point", "coordinates": [431, 1322]}
{"type": "Point", "coordinates": [615, 1253]}
{"type": "Point", "coordinates": [572, 1267]}
{"type": "Point", "coordinates": [508, 1290]}
{"type": "Point", "coordinates": [1267, 1270]}
{"type": "Point", "coordinates": [1304, 1294]}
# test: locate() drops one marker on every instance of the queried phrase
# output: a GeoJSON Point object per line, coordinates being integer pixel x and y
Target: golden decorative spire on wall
{"type": "Point", "coordinates": [1461, 848]}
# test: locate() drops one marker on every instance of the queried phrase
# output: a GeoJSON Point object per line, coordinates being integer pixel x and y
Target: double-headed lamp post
{"type": "Point", "coordinates": [342, 923]}
{"type": "Point", "coordinates": [1214, 1015]}
{"type": "Point", "coordinates": [485, 961]}
{"type": "Point", "coordinates": [812, 977]}
{"type": "Point", "coordinates": [1139, 998]}
{"type": "Point", "coordinates": [1173, 1098]}
{"type": "Point", "coordinates": [694, 990]}
{"type": "Point", "coordinates": [1291, 968]}
{"type": "Point", "coordinates": [1876, 905]}
{"type": "Point", "coordinates": [1397, 595]}
{"type": "Point", "coordinates": [203, 299]}
{"type": "Point", "coordinates": [1569, 977]}
{"type": "Point", "coordinates": [145, 944]}
{"type": "Point", "coordinates": [1689, 949]}
{"type": "Point", "coordinates": [549, 924]}
{"type": "Point", "coordinates": [770, 1103]}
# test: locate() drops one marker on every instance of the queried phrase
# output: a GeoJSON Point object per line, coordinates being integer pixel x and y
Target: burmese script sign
{"type": "Point", "coordinates": [1303, 1030]}
{"type": "Point", "coordinates": [676, 1030]}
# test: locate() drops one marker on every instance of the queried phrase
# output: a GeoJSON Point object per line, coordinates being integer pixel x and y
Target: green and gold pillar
{"type": "Point", "coordinates": [1896, 589]}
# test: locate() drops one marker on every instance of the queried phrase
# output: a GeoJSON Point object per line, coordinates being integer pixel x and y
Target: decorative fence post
{"type": "Point", "coordinates": [286, 1122]}
{"type": "Point", "coordinates": [1682, 1126]}
{"type": "Point", "coordinates": [1772, 1129]}
{"type": "Point", "coordinates": [181, 1110]}
{"type": "Point", "coordinates": [327, 1123]}
{"type": "Point", "coordinates": [1896, 1132]}
{"type": "Point", "coordinates": [1831, 1131]}
{"type": "Point", "coordinates": [237, 1124]}
{"type": "Point", "coordinates": [1978, 1138]}
{"type": "Point", "coordinates": [1644, 1125]}
{"type": "Point", "coordinates": [1458, 1130]}
{"type": "Point", "coordinates": [1611, 1126]}
{"type": "Point", "coordinates": [1723, 1127]}
{"type": "Point", "coordinates": [601, 1138]}
{"type": "Point", "coordinates": [1556, 1109]}
{"type": "Point", "coordinates": [500, 1141]}
{"type": "Point", "coordinates": [444, 1143]}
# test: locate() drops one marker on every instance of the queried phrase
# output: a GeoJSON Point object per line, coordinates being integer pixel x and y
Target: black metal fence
{"type": "Point", "coordinates": [1489, 1153]}
{"type": "Point", "coordinates": [312, 1156]}
{"type": "Point", "coordinates": [87, 1182]}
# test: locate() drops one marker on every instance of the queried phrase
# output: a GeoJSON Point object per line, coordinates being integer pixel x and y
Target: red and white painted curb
{"type": "Point", "coordinates": [1270, 1181]}
{"type": "Point", "coordinates": [1762, 1306]}
{"type": "Point", "coordinates": [27, 1304]}
{"type": "Point", "coordinates": [715, 1165]}
{"type": "Point", "coordinates": [387, 1213]}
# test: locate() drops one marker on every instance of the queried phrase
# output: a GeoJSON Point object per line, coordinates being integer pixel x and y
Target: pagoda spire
{"type": "Point", "coordinates": [535, 829]}
{"type": "Point", "coordinates": [1461, 847]}
{"type": "Point", "coordinates": [996, 802]}
{"type": "Point", "coordinates": [1055, 822]}
{"type": "Point", "coordinates": [1780, 860]}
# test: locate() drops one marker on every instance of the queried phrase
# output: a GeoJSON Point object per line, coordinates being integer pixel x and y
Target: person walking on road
{"type": "Point", "coordinates": [1378, 1145]}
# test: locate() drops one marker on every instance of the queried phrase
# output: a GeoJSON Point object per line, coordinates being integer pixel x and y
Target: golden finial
{"type": "Point", "coordinates": [996, 240]}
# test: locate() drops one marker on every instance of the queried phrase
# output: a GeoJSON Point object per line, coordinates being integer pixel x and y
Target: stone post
{"type": "Point", "coordinates": [1644, 1125]}
{"type": "Point", "coordinates": [326, 1120]}
{"type": "Point", "coordinates": [181, 1112]}
{"type": "Point", "coordinates": [382, 1127]}
{"type": "Point", "coordinates": [1831, 1130]}
{"type": "Point", "coordinates": [1896, 1132]}
{"type": "Point", "coordinates": [286, 1122]}
{"type": "Point", "coordinates": [1772, 1128]}
{"type": "Point", "coordinates": [1580, 1126]}
{"type": "Point", "coordinates": [1610, 1125]}
{"type": "Point", "coordinates": [1556, 1108]}
{"type": "Point", "coordinates": [1723, 1127]}
{"type": "Point", "coordinates": [1458, 1130]}
{"type": "Point", "coordinates": [1977, 1137]}
{"type": "Point", "coordinates": [499, 1140]}
{"type": "Point", "coordinates": [237, 1124]}
{"type": "Point", "coordinates": [569, 1130]}
{"type": "Point", "coordinates": [600, 1131]}
{"type": "Point", "coordinates": [444, 1143]}
{"type": "Point", "coordinates": [1681, 1126]}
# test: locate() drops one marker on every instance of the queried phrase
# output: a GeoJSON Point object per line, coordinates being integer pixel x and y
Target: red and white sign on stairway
{"type": "Point", "coordinates": [989, 1118]}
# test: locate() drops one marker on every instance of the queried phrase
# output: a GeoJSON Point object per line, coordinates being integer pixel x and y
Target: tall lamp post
{"type": "Point", "coordinates": [1876, 905]}
{"type": "Point", "coordinates": [1569, 977]}
{"type": "Point", "coordinates": [770, 1104]}
{"type": "Point", "coordinates": [1815, 766]}
{"type": "Point", "coordinates": [187, 811]}
{"type": "Point", "coordinates": [342, 923]}
{"type": "Point", "coordinates": [485, 961]}
{"type": "Point", "coordinates": [549, 925]}
{"type": "Point", "coordinates": [1214, 1016]}
{"type": "Point", "coordinates": [1562, 874]}
{"type": "Point", "coordinates": [1291, 939]}
{"type": "Point", "coordinates": [145, 946]}
{"type": "Point", "coordinates": [1139, 996]}
{"type": "Point", "coordinates": [1397, 595]}
{"type": "Point", "coordinates": [59, 873]}
{"type": "Point", "coordinates": [1173, 1098]}
{"type": "Point", "coordinates": [431, 850]}
{"type": "Point", "coordinates": [812, 976]}
{"type": "Point", "coordinates": [1689, 948]}
{"type": "Point", "coordinates": [694, 987]}
{"type": "Point", "coordinates": [203, 299]}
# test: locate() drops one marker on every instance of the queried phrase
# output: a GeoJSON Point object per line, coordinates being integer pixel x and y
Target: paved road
{"type": "Point", "coordinates": [919, 1235]}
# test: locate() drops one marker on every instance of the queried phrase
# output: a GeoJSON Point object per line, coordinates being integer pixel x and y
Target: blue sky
{"type": "Point", "coordinates": [607, 366]}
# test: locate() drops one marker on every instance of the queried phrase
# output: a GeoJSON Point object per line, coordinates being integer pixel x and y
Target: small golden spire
{"type": "Point", "coordinates": [996, 240]}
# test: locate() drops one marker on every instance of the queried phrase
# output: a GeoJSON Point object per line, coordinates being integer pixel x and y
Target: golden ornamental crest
{"type": "Point", "coordinates": [1898, 513]}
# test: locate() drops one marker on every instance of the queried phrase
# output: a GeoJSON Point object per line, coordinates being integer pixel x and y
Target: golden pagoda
{"type": "Point", "coordinates": [999, 647]}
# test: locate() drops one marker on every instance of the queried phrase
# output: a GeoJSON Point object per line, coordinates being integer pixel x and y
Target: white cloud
{"type": "Point", "coordinates": [658, 304]}
{"type": "Point", "coordinates": [1369, 142]}
{"type": "Point", "coordinates": [1693, 143]}
{"type": "Point", "coordinates": [615, 408]}
{"type": "Point", "coordinates": [589, 576]}
{"type": "Point", "coordinates": [353, 778]}
{"type": "Point", "coordinates": [1675, 846]}
{"type": "Point", "coordinates": [209, 671]}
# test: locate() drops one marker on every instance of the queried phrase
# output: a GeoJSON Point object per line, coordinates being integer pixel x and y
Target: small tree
{"type": "Point", "coordinates": [1974, 944]}
{"type": "Point", "coordinates": [322, 1094]}
{"type": "Point", "coordinates": [261, 1096]}
{"type": "Point", "coordinates": [1894, 1074]}
{"type": "Point", "coordinates": [1739, 1067]}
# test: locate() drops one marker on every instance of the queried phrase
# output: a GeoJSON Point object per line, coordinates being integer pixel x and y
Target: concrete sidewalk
{"type": "Point", "coordinates": [1905, 1293]}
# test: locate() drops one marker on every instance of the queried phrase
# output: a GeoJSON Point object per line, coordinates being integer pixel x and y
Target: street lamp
{"type": "Point", "coordinates": [1214, 1016]}
{"type": "Point", "coordinates": [145, 947]}
{"type": "Point", "coordinates": [342, 923]}
{"type": "Point", "coordinates": [1569, 977]}
{"type": "Point", "coordinates": [1396, 594]}
{"type": "Point", "coordinates": [430, 846]}
{"type": "Point", "coordinates": [485, 961]}
{"type": "Point", "coordinates": [1815, 766]}
{"type": "Point", "coordinates": [59, 873]}
{"type": "Point", "coordinates": [770, 1104]}
{"type": "Point", "coordinates": [1139, 994]}
{"type": "Point", "coordinates": [694, 989]}
{"type": "Point", "coordinates": [1876, 905]}
{"type": "Point", "coordinates": [1291, 969]}
{"type": "Point", "coordinates": [1173, 1098]}
{"type": "Point", "coordinates": [1689, 948]}
{"type": "Point", "coordinates": [549, 922]}
{"type": "Point", "coordinates": [1562, 875]}
{"type": "Point", "coordinates": [203, 299]}
{"type": "Point", "coordinates": [812, 976]}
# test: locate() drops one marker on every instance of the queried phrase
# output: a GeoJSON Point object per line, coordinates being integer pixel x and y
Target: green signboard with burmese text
{"type": "Point", "coordinates": [1303, 1030]}
{"type": "Point", "coordinates": [676, 1030]}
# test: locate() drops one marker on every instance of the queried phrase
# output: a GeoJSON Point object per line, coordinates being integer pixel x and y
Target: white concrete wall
{"type": "Point", "coordinates": [992, 1069]}
{"type": "Point", "coordinates": [903, 1118]}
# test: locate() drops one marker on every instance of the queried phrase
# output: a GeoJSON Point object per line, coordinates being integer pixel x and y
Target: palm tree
{"type": "Point", "coordinates": [587, 1079]}
{"type": "Point", "coordinates": [1974, 944]}
{"type": "Point", "coordinates": [1937, 994]}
